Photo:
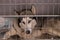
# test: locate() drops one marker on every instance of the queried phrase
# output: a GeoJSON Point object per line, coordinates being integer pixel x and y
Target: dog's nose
{"type": "Point", "coordinates": [28, 32]}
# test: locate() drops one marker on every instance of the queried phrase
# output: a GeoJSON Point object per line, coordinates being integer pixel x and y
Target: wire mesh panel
{"type": "Point", "coordinates": [31, 28]}
{"type": "Point", "coordinates": [42, 6]}
{"type": "Point", "coordinates": [29, 19]}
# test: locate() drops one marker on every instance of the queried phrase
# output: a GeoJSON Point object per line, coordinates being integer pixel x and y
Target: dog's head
{"type": "Point", "coordinates": [27, 24]}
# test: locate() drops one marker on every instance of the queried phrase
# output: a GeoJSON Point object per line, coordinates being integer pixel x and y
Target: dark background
{"type": "Point", "coordinates": [42, 6]}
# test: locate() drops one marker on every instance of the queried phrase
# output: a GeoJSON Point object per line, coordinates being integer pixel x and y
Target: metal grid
{"type": "Point", "coordinates": [42, 6]}
{"type": "Point", "coordinates": [45, 8]}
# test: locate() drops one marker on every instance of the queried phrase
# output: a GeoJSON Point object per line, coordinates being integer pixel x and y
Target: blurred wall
{"type": "Point", "coordinates": [42, 6]}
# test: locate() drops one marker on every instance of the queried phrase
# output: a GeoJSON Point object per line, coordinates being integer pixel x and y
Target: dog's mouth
{"type": "Point", "coordinates": [27, 31]}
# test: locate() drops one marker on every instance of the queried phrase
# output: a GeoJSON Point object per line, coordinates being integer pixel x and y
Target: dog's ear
{"type": "Point", "coordinates": [17, 12]}
{"type": "Point", "coordinates": [33, 9]}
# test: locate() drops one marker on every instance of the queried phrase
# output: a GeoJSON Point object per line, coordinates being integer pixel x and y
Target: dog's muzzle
{"type": "Point", "coordinates": [28, 31]}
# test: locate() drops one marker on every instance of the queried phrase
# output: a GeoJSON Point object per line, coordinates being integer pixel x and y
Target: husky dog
{"type": "Point", "coordinates": [23, 26]}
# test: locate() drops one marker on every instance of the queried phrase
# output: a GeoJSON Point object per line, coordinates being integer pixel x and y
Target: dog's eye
{"type": "Point", "coordinates": [23, 22]}
{"type": "Point", "coordinates": [29, 21]}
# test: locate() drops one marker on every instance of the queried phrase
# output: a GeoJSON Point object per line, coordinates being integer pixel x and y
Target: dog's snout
{"type": "Point", "coordinates": [28, 32]}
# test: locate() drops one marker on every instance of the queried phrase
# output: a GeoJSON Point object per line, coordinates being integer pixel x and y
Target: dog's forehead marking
{"type": "Point", "coordinates": [26, 19]}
